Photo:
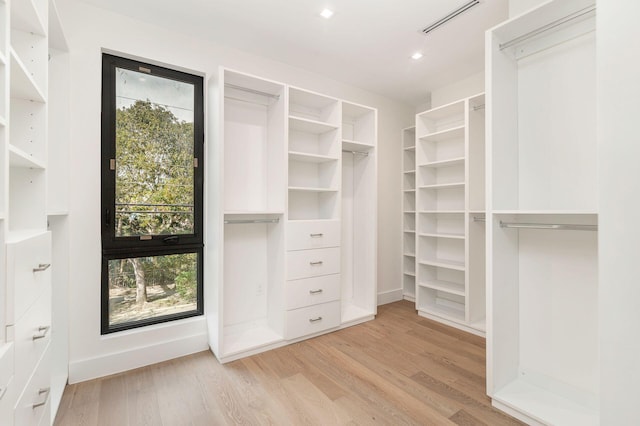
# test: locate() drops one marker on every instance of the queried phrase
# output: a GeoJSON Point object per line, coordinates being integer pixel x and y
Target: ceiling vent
{"type": "Point", "coordinates": [450, 16]}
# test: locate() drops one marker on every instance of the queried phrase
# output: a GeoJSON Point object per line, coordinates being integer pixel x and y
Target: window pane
{"type": "Point", "coordinates": [154, 155]}
{"type": "Point", "coordinates": [141, 288]}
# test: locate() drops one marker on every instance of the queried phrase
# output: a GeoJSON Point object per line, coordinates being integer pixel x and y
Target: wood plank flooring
{"type": "Point", "coordinates": [400, 369]}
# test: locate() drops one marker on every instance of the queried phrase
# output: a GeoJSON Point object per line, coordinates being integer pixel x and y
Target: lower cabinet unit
{"type": "Point", "coordinates": [34, 403]}
{"type": "Point", "coordinates": [292, 253]}
{"type": "Point", "coordinates": [7, 387]}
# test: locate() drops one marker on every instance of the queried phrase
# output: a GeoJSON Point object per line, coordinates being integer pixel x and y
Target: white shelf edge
{"type": "Point", "coordinates": [445, 132]}
{"type": "Point", "coordinates": [33, 93]}
{"type": "Point", "coordinates": [311, 189]}
{"type": "Point", "coordinates": [443, 186]}
{"type": "Point", "coordinates": [319, 157]}
{"type": "Point", "coordinates": [445, 286]}
{"type": "Point", "coordinates": [444, 163]}
{"type": "Point", "coordinates": [445, 312]}
{"type": "Point", "coordinates": [22, 235]}
{"type": "Point", "coordinates": [19, 158]}
{"type": "Point", "coordinates": [312, 220]}
{"type": "Point", "coordinates": [58, 213]}
{"type": "Point", "coordinates": [409, 171]}
{"type": "Point", "coordinates": [544, 212]}
{"type": "Point", "coordinates": [439, 263]}
{"type": "Point", "coordinates": [410, 148]}
{"type": "Point", "coordinates": [442, 235]}
{"type": "Point", "coordinates": [442, 211]}
{"type": "Point", "coordinates": [316, 123]}
{"type": "Point", "coordinates": [408, 190]}
{"type": "Point", "coordinates": [247, 212]}
{"type": "Point", "coordinates": [356, 144]}
{"type": "Point", "coordinates": [408, 231]}
{"type": "Point", "coordinates": [409, 254]}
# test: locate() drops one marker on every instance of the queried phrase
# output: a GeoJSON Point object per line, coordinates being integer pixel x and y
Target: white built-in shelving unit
{"type": "Point", "coordinates": [293, 251]}
{"type": "Point", "coordinates": [409, 214]}
{"type": "Point", "coordinates": [542, 215]}
{"type": "Point", "coordinates": [33, 163]}
{"type": "Point", "coordinates": [449, 221]}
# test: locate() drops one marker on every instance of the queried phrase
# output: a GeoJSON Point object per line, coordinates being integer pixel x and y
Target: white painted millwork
{"type": "Point", "coordinates": [542, 296]}
{"type": "Point", "coordinates": [293, 245]}
{"type": "Point", "coordinates": [409, 214]}
{"type": "Point", "coordinates": [33, 159]}
{"type": "Point", "coordinates": [447, 256]}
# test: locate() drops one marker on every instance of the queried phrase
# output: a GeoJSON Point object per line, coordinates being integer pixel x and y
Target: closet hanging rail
{"type": "Point", "coordinates": [366, 154]}
{"type": "Point", "coordinates": [549, 26]}
{"type": "Point", "coordinates": [236, 221]}
{"type": "Point", "coordinates": [248, 90]}
{"type": "Point", "coordinates": [558, 226]}
{"type": "Point", "coordinates": [479, 219]}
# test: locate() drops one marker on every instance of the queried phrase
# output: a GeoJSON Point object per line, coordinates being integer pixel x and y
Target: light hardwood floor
{"type": "Point", "coordinates": [399, 369]}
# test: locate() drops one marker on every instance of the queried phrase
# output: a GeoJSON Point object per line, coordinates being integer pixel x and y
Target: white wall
{"type": "Point", "coordinates": [619, 194]}
{"type": "Point", "coordinates": [89, 30]}
{"type": "Point", "coordinates": [469, 86]}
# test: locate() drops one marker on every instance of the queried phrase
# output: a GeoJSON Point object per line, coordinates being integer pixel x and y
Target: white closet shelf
{"type": "Point", "coordinates": [351, 145]}
{"type": "Point", "coordinates": [545, 212]}
{"type": "Point", "coordinates": [54, 213]}
{"type": "Point", "coordinates": [19, 158]}
{"type": "Point", "coordinates": [409, 171]}
{"type": "Point", "coordinates": [409, 254]}
{"type": "Point", "coordinates": [444, 263]}
{"type": "Point", "coordinates": [313, 220]}
{"type": "Point", "coordinates": [310, 158]}
{"type": "Point", "coordinates": [410, 211]}
{"type": "Point", "coordinates": [442, 235]}
{"type": "Point", "coordinates": [444, 135]}
{"type": "Point", "coordinates": [310, 126]}
{"type": "Point", "coordinates": [443, 311]}
{"type": "Point", "coordinates": [26, 17]}
{"type": "Point", "coordinates": [444, 111]}
{"type": "Point", "coordinates": [444, 163]}
{"type": "Point", "coordinates": [311, 189]}
{"type": "Point", "coordinates": [408, 190]}
{"type": "Point", "coordinates": [411, 274]}
{"type": "Point", "coordinates": [545, 406]}
{"type": "Point", "coordinates": [445, 286]}
{"type": "Point", "coordinates": [410, 148]}
{"type": "Point", "coordinates": [443, 185]}
{"type": "Point", "coordinates": [442, 211]}
{"type": "Point", "coordinates": [411, 231]}
{"type": "Point", "coordinates": [253, 212]}
{"type": "Point", "coordinates": [23, 86]}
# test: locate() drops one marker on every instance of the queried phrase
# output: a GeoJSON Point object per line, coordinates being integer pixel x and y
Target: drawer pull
{"type": "Point", "coordinates": [2, 392]}
{"type": "Point", "coordinates": [316, 235]}
{"type": "Point", "coordinates": [315, 319]}
{"type": "Point", "coordinates": [318, 291]}
{"type": "Point", "coordinates": [46, 397]}
{"type": "Point", "coordinates": [42, 267]}
{"type": "Point", "coordinates": [43, 329]}
{"type": "Point", "coordinates": [319, 262]}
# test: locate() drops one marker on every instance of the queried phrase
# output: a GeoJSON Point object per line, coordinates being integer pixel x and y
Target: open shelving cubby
{"type": "Point", "coordinates": [542, 216]}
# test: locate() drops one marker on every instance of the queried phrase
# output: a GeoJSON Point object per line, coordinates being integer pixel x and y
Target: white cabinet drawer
{"type": "Point", "coordinates": [312, 263]}
{"type": "Point", "coordinates": [310, 235]}
{"type": "Point", "coordinates": [34, 401]}
{"type": "Point", "coordinates": [32, 335]}
{"type": "Point", "coordinates": [311, 291]}
{"type": "Point", "coordinates": [7, 387]}
{"type": "Point", "coordinates": [28, 273]}
{"type": "Point", "coordinates": [312, 319]}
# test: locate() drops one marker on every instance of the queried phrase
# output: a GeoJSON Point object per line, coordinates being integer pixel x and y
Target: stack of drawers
{"type": "Point", "coordinates": [25, 374]}
{"type": "Point", "coordinates": [312, 292]}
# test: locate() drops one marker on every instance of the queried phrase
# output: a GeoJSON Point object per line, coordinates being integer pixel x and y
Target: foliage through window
{"type": "Point", "coordinates": [152, 143]}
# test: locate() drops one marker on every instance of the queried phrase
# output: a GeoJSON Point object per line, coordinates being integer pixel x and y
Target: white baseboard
{"type": "Point", "coordinates": [87, 369]}
{"type": "Point", "coordinates": [389, 296]}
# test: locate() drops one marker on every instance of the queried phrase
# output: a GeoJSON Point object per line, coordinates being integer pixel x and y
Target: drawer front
{"type": "Point", "coordinates": [28, 273]}
{"type": "Point", "coordinates": [311, 291]}
{"type": "Point", "coordinates": [32, 335]}
{"type": "Point", "coordinates": [312, 263]}
{"type": "Point", "coordinates": [313, 319]}
{"type": "Point", "coordinates": [311, 235]}
{"type": "Point", "coordinates": [34, 401]}
{"type": "Point", "coordinates": [7, 387]}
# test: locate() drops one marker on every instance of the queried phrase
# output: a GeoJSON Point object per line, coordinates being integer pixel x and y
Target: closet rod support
{"type": "Point", "coordinates": [555, 226]}
{"type": "Point", "coordinates": [236, 221]}
{"type": "Point", "coordinates": [253, 91]}
{"type": "Point", "coordinates": [582, 12]}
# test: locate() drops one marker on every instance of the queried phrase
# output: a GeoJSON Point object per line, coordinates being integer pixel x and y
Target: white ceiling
{"type": "Point", "coordinates": [367, 43]}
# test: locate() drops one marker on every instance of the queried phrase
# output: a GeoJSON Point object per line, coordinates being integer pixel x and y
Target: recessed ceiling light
{"type": "Point", "coordinates": [416, 56]}
{"type": "Point", "coordinates": [327, 13]}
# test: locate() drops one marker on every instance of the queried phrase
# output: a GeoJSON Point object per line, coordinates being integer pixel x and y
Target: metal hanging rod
{"type": "Point", "coordinates": [450, 16]}
{"type": "Point", "coordinates": [248, 90]}
{"type": "Point", "coordinates": [478, 107]}
{"type": "Point", "coordinates": [557, 226]}
{"type": "Point", "coordinates": [236, 221]}
{"type": "Point", "coordinates": [550, 26]}
{"type": "Point", "coordinates": [246, 101]}
{"type": "Point", "coordinates": [479, 219]}
{"type": "Point", "coordinates": [366, 154]}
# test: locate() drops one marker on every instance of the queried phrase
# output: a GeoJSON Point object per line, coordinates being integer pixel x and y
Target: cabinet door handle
{"type": "Point", "coordinates": [318, 291]}
{"type": "Point", "coordinates": [316, 235]}
{"type": "Point", "coordinates": [319, 262]}
{"type": "Point", "coordinates": [43, 330]}
{"type": "Point", "coordinates": [315, 319]}
{"type": "Point", "coordinates": [42, 267]}
{"type": "Point", "coordinates": [46, 397]}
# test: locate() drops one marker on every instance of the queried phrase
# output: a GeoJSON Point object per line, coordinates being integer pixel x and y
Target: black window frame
{"type": "Point", "coordinates": [156, 245]}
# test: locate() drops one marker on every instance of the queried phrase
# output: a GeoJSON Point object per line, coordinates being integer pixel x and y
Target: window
{"type": "Point", "coordinates": [152, 190]}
